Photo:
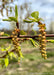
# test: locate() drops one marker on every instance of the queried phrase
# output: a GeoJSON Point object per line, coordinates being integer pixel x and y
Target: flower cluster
{"type": "Point", "coordinates": [16, 44]}
{"type": "Point", "coordinates": [42, 40]}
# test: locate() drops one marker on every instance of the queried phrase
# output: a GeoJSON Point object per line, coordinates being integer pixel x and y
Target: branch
{"type": "Point", "coordinates": [26, 36]}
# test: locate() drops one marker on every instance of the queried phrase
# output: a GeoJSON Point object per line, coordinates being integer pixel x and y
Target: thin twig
{"type": "Point", "coordinates": [26, 36]}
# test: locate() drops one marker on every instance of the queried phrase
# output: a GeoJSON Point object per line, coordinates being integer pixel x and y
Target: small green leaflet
{"type": "Point", "coordinates": [6, 60]}
{"type": "Point", "coordinates": [19, 47]}
{"type": "Point", "coordinates": [30, 18]}
{"type": "Point", "coordinates": [33, 19]}
{"type": "Point", "coordinates": [5, 34]}
{"type": "Point", "coordinates": [35, 44]}
{"type": "Point", "coordinates": [13, 19]}
{"type": "Point", "coordinates": [12, 55]}
{"type": "Point", "coordinates": [16, 12]}
{"type": "Point", "coordinates": [52, 41]}
{"type": "Point", "coordinates": [27, 21]}
{"type": "Point", "coordinates": [6, 19]}
{"type": "Point", "coordinates": [10, 19]}
{"type": "Point", "coordinates": [21, 55]}
{"type": "Point", "coordinates": [8, 48]}
{"type": "Point", "coordinates": [35, 14]}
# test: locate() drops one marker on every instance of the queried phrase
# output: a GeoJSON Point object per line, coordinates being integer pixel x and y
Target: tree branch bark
{"type": "Point", "coordinates": [26, 36]}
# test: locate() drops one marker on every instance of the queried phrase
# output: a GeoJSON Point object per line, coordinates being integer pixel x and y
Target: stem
{"type": "Point", "coordinates": [26, 36]}
{"type": "Point", "coordinates": [17, 24]}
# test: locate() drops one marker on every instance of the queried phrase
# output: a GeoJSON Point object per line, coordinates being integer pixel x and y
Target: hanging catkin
{"type": "Point", "coordinates": [16, 43]}
{"type": "Point", "coordinates": [42, 40]}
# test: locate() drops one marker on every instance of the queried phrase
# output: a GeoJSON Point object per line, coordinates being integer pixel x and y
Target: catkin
{"type": "Point", "coordinates": [16, 43]}
{"type": "Point", "coordinates": [42, 40]}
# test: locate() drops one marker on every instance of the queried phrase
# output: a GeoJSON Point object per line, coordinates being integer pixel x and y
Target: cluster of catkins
{"type": "Point", "coordinates": [42, 40]}
{"type": "Point", "coordinates": [16, 44]}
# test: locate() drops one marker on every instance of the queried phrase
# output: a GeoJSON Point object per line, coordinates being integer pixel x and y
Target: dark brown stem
{"type": "Point", "coordinates": [39, 23]}
{"type": "Point", "coordinates": [17, 24]}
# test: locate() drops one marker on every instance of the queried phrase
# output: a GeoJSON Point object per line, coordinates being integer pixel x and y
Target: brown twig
{"type": "Point", "coordinates": [17, 24]}
{"type": "Point", "coordinates": [26, 36]}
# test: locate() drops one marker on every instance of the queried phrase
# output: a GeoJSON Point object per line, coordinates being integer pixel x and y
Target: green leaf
{"type": "Point", "coordinates": [5, 34]}
{"type": "Point", "coordinates": [33, 19]}
{"type": "Point", "coordinates": [19, 47]}
{"type": "Point", "coordinates": [27, 21]}
{"type": "Point", "coordinates": [13, 19]}
{"type": "Point", "coordinates": [6, 19]}
{"type": "Point", "coordinates": [30, 18]}
{"type": "Point", "coordinates": [8, 48]}
{"type": "Point", "coordinates": [6, 62]}
{"type": "Point", "coordinates": [35, 14]}
{"type": "Point", "coordinates": [34, 43]}
{"type": "Point", "coordinates": [12, 55]}
{"type": "Point", "coordinates": [16, 12]}
{"type": "Point", "coordinates": [21, 55]}
{"type": "Point", "coordinates": [52, 41]}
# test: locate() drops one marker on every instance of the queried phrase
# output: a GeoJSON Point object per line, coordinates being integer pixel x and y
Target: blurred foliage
{"type": "Point", "coordinates": [35, 14]}
{"type": "Point", "coordinates": [15, 19]}
{"type": "Point", "coordinates": [52, 41]}
{"type": "Point", "coordinates": [34, 43]}
{"type": "Point", "coordinates": [22, 32]}
{"type": "Point", "coordinates": [10, 55]}
{"type": "Point", "coordinates": [33, 32]}
{"type": "Point", "coordinates": [5, 34]}
{"type": "Point", "coordinates": [48, 73]}
{"type": "Point", "coordinates": [50, 54]}
{"type": "Point", "coordinates": [35, 18]}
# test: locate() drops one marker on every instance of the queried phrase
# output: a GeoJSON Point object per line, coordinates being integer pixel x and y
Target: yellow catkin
{"type": "Point", "coordinates": [16, 42]}
{"type": "Point", "coordinates": [42, 40]}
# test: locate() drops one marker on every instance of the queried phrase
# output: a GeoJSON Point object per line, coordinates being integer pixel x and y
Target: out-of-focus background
{"type": "Point", "coordinates": [32, 63]}
{"type": "Point", "coordinates": [25, 8]}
